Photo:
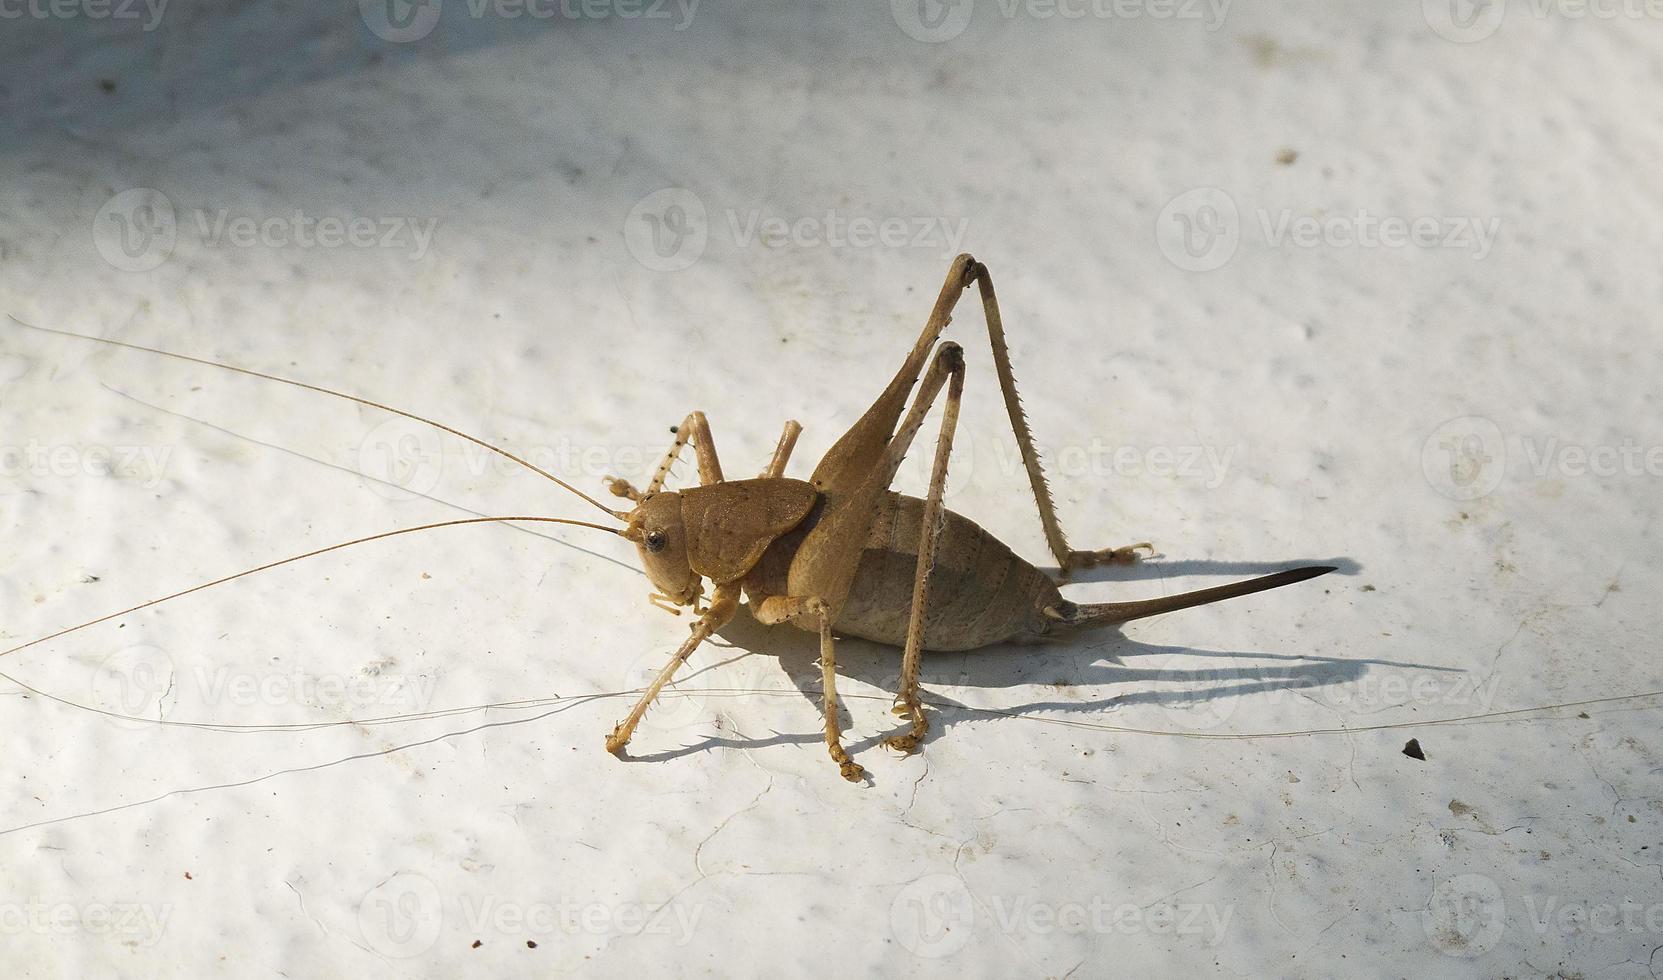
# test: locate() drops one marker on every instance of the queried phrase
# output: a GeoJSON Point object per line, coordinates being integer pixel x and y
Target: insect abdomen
{"type": "Point", "coordinates": [980, 591]}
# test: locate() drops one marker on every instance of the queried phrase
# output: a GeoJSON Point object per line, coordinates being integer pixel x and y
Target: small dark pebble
{"type": "Point", "coordinates": [107, 84]}
{"type": "Point", "coordinates": [477, 944]}
{"type": "Point", "coordinates": [531, 944]}
{"type": "Point", "coordinates": [1582, 714]}
{"type": "Point", "coordinates": [1413, 751]}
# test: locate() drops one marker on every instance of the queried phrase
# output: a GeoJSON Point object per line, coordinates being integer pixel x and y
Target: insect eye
{"type": "Point", "coordinates": [655, 540]}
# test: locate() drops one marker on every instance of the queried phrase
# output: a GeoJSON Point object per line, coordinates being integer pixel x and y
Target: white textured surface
{"type": "Point", "coordinates": [1317, 378]}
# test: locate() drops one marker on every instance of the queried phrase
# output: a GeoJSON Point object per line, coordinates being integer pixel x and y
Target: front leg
{"type": "Point", "coordinates": [722, 607]}
{"type": "Point", "coordinates": [695, 428]}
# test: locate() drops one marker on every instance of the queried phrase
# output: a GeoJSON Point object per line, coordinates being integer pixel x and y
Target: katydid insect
{"type": "Point", "coordinates": [839, 553]}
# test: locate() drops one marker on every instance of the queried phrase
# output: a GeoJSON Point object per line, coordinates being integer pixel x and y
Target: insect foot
{"type": "Point", "coordinates": [616, 741]}
{"type": "Point", "coordinates": [1125, 555]}
{"type": "Point", "coordinates": [623, 488]}
{"type": "Point", "coordinates": [908, 743]}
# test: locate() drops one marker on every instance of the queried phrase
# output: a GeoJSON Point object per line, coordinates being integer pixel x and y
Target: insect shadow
{"type": "Point", "coordinates": [1139, 673]}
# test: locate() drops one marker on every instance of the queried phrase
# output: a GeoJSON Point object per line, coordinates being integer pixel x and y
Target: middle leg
{"type": "Point", "coordinates": [782, 451]}
{"type": "Point", "coordinates": [779, 609]}
{"type": "Point", "coordinates": [825, 563]}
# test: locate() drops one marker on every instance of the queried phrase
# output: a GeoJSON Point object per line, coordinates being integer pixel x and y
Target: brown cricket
{"type": "Point", "coordinates": [840, 552]}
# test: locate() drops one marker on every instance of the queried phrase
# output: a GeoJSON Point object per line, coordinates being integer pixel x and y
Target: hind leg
{"type": "Point", "coordinates": [907, 703]}
{"type": "Point", "coordinates": [825, 562]}
{"type": "Point", "coordinates": [1067, 559]}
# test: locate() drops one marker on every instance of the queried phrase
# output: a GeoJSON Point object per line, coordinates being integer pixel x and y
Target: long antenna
{"type": "Point", "coordinates": [295, 558]}
{"type": "Point", "coordinates": [328, 391]}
